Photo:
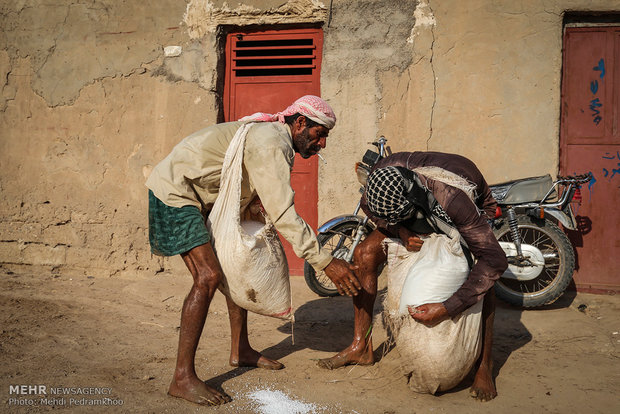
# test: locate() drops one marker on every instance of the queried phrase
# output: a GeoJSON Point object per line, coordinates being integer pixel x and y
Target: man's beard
{"type": "Point", "coordinates": [303, 148]}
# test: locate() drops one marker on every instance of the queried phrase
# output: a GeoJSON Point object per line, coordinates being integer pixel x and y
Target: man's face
{"type": "Point", "coordinates": [308, 141]}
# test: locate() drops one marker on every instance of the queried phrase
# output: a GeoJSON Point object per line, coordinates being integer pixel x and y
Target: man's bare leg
{"type": "Point", "coordinates": [368, 256]}
{"type": "Point", "coordinates": [241, 352]}
{"type": "Point", "coordinates": [483, 388]}
{"type": "Point", "coordinates": [207, 273]}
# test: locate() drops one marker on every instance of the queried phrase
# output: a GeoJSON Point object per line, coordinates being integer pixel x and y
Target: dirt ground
{"type": "Point", "coordinates": [118, 337]}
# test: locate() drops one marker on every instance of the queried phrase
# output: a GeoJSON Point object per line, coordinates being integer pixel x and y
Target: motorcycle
{"type": "Point", "coordinates": [541, 259]}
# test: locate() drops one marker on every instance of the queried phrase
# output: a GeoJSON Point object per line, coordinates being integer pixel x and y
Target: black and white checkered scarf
{"type": "Point", "coordinates": [386, 194]}
{"type": "Point", "coordinates": [394, 194]}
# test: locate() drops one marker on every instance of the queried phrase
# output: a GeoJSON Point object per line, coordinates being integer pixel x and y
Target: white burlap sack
{"type": "Point", "coordinates": [436, 358]}
{"type": "Point", "coordinates": [255, 268]}
{"type": "Point", "coordinates": [438, 272]}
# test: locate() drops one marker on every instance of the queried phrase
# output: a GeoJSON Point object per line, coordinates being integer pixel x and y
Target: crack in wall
{"type": "Point", "coordinates": [8, 91]}
{"type": "Point", "coordinates": [432, 65]}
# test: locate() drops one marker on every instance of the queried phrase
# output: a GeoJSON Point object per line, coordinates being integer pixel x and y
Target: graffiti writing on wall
{"type": "Point", "coordinates": [611, 172]}
{"type": "Point", "coordinates": [610, 169]}
{"type": "Point", "coordinates": [591, 182]}
{"type": "Point", "coordinates": [595, 103]}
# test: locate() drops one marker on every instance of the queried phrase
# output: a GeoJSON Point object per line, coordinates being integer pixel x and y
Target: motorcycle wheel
{"type": "Point", "coordinates": [318, 282]}
{"type": "Point", "coordinates": [557, 272]}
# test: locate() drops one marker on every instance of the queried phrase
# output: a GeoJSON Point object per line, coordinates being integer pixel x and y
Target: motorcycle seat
{"type": "Point", "coordinates": [524, 190]}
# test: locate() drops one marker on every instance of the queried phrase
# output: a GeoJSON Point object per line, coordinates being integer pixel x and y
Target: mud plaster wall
{"type": "Point", "coordinates": [485, 83]}
{"type": "Point", "coordinates": [87, 108]}
{"type": "Point", "coordinates": [89, 103]}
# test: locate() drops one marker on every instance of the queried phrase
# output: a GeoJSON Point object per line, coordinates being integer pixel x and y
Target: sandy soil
{"type": "Point", "coordinates": [119, 336]}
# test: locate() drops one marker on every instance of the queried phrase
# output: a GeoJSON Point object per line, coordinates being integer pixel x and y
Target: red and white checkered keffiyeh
{"type": "Point", "coordinates": [310, 106]}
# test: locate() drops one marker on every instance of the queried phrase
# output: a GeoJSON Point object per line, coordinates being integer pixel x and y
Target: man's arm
{"type": "Point", "coordinates": [486, 201]}
{"type": "Point", "coordinates": [489, 266]}
{"type": "Point", "coordinates": [269, 170]}
{"type": "Point", "coordinates": [490, 258]}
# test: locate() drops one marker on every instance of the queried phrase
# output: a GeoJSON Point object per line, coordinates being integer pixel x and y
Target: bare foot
{"type": "Point", "coordinates": [255, 359]}
{"type": "Point", "coordinates": [483, 388]}
{"type": "Point", "coordinates": [196, 391]}
{"type": "Point", "coordinates": [349, 356]}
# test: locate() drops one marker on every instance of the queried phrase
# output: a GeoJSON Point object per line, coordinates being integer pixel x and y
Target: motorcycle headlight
{"type": "Point", "coordinates": [362, 172]}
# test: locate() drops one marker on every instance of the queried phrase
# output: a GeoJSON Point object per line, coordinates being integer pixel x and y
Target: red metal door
{"type": "Point", "coordinates": [590, 142]}
{"type": "Point", "coordinates": [266, 72]}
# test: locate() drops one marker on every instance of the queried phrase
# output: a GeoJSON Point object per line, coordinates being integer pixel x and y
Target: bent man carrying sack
{"type": "Point", "coordinates": [183, 188]}
{"type": "Point", "coordinates": [404, 204]}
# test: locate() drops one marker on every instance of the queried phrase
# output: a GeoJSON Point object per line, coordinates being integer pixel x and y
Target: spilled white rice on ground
{"type": "Point", "coordinates": [265, 398]}
{"type": "Point", "coordinates": [277, 402]}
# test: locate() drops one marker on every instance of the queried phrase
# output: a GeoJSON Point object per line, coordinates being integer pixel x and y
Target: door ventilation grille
{"type": "Point", "coordinates": [274, 57]}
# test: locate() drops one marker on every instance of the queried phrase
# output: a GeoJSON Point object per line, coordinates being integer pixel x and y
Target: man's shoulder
{"type": "Point", "coordinates": [455, 202]}
{"type": "Point", "coordinates": [269, 135]}
{"type": "Point", "coordinates": [269, 130]}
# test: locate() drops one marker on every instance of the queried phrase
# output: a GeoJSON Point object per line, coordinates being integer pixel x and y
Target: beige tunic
{"type": "Point", "coordinates": [190, 175]}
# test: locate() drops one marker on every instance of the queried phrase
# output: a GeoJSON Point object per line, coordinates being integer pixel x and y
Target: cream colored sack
{"type": "Point", "coordinates": [255, 269]}
{"type": "Point", "coordinates": [437, 358]}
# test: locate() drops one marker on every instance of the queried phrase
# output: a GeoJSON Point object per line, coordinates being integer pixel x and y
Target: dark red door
{"type": "Point", "coordinates": [266, 72]}
{"type": "Point", "coordinates": [590, 142]}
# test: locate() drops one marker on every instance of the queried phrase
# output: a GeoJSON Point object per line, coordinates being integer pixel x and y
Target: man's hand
{"type": "Point", "coordinates": [412, 242]}
{"type": "Point", "coordinates": [341, 273]}
{"type": "Point", "coordinates": [430, 314]}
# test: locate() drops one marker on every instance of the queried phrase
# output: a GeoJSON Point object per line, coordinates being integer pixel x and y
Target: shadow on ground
{"type": "Point", "coordinates": [326, 324]}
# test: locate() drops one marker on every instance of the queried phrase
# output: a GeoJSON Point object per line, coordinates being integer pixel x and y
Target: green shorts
{"type": "Point", "coordinates": [175, 230]}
